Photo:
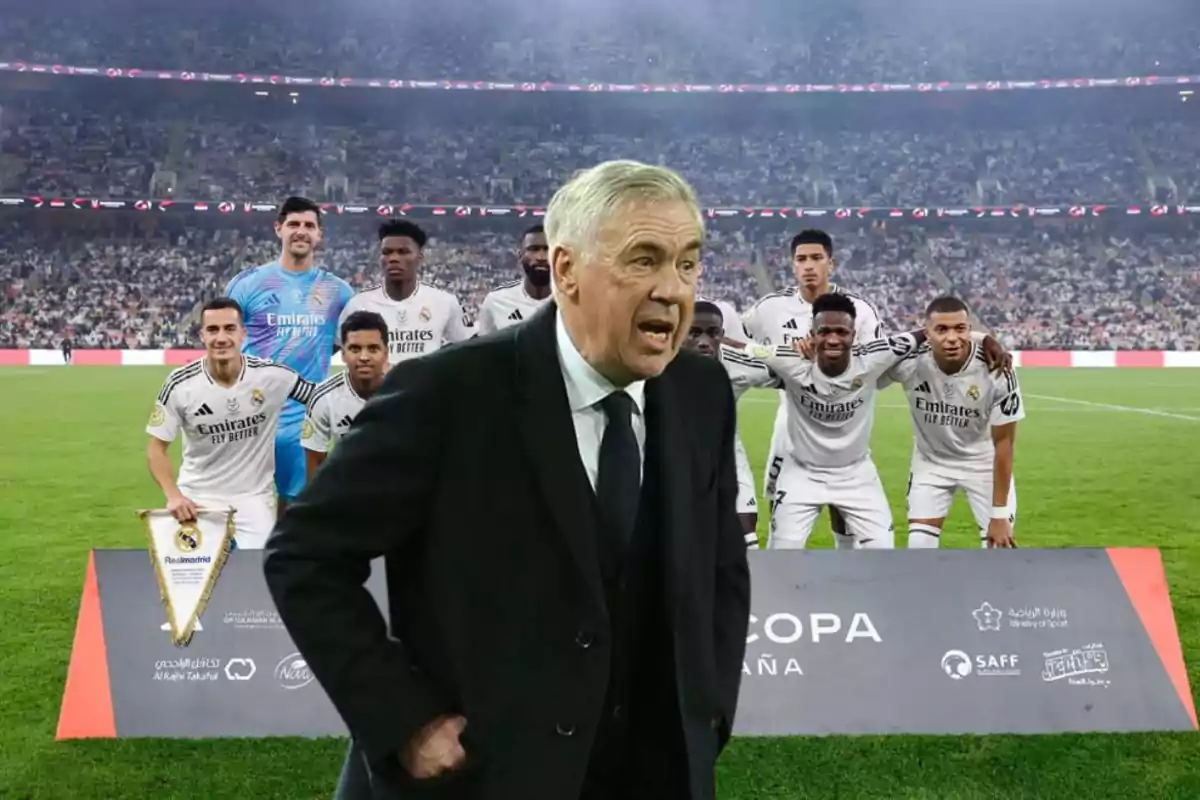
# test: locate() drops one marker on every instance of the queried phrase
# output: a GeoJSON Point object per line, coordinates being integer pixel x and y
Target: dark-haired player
{"type": "Point", "coordinates": [831, 408]}
{"type": "Point", "coordinates": [420, 318]}
{"type": "Point", "coordinates": [291, 311]}
{"type": "Point", "coordinates": [518, 300]}
{"type": "Point", "coordinates": [964, 420]}
{"type": "Point", "coordinates": [337, 401]}
{"type": "Point", "coordinates": [786, 316]}
{"type": "Point", "coordinates": [704, 337]}
{"type": "Point", "coordinates": [227, 406]}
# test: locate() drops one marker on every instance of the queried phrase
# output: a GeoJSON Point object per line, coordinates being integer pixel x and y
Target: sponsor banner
{"type": "Point", "coordinates": [450, 210]}
{"type": "Point", "coordinates": [952, 641]}
{"type": "Point", "coordinates": [239, 676]}
{"type": "Point", "coordinates": [445, 84]}
{"type": "Point", "coordinates": [968, 641]}
{"type": "Point", "coordinates": [1022, 358]}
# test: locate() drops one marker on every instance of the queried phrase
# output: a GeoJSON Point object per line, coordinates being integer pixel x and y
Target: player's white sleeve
{"type": "Point", "coordinates": [289, 385]}
{"type": "Point", "coordinates": [484, 322]}
{"type": "Point", "coordinates": [867, 326]}
{"type": "Point", "coordinates": [752, 324]}
{"type": "Point", "coordinates": [750, 367]}
{"type": "Point", "coordinates": [746, 502]}
{"type": "Point", "coordinates": [901, 372]}
{"type": "Point", "coordinates": [165, 418]}
{"type": "Point", "coordinates": [317, 430]}
{"type": "Point", "coordinates": [456, 325]}
{"type": "Point", "coordinates": [881, 355]}
{"type": "Point", "coordinates": [1007, 404]}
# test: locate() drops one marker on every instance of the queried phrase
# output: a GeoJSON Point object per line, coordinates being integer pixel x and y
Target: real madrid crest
{"type": "Point", "coordinates": [425, 314]}
{"type": "Point", "coordinates": [856, 384]}
{"type": "Point", "coordinates": [257, 398]}
{"type": "Point", "coordinates": [188, 538]}
{"type": "Point", "coordinates": [973, 392]}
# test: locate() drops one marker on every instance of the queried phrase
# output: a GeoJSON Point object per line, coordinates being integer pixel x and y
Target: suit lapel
{"type": "Point", "coordinates": [548, 434]}
{"type": "Point", "coordinates": [674, 465]}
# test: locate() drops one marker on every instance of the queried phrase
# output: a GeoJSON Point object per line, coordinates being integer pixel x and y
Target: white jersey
{"type": "Point", "coordinates": [506, 305]}
{"type": "Point", "coordinates": [783, 317]}
{"type": "Point", "coordinates": [425, 321]}
{"type": "Point", "coordinates": [333, 406]}
{"type": "Point", "coordinates": [730, 319]}
{"type": "Point", "coordinates": [830, 417]}
{"type": "Point", "coordinates": [228, 432]}
{"type": "Point", "coordinates": [953, 415]}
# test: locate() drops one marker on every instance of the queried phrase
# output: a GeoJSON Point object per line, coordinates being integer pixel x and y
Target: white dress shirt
{"type": "Point", "coordinates": [585, 389]}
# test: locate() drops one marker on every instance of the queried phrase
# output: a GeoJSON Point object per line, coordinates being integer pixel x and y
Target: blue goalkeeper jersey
{"type": "Point", "coordinates": [291, 317]}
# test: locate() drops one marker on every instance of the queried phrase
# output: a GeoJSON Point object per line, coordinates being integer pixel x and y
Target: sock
{"type": "Point", "coordinates": [843, 541]}
{"type": "Point", "coordinates": [923, 537]}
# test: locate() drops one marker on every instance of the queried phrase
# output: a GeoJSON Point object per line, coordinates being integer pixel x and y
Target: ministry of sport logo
{"type": "Point", "coordinates": [988, 617]}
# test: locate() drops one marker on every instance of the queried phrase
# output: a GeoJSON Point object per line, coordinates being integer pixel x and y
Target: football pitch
{"type": "Point", "coordinates": [1104, 458]}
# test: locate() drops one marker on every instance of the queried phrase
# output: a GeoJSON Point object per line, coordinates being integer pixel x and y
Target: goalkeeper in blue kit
{"type": "Point", "coordinates": [291, 312]}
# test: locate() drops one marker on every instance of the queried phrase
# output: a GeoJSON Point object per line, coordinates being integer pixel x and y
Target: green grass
{"type": "Point", "coordinates": [71, 472]}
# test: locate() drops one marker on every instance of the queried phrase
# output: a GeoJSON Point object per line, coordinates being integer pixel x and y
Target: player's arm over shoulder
{"type": "Point", "coordinates": [880, 355]}
{"type": "Point", "coordinates": [288, 383]}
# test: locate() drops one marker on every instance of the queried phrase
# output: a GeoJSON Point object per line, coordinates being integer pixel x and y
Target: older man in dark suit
{"type": "Point", "coordinates": [567, 577]}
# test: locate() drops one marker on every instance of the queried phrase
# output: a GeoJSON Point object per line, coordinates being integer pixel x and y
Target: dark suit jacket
{"type": "Point", "coordinates": [464, 471]}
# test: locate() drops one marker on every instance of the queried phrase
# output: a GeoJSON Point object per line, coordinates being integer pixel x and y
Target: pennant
{"type": "Point", "coordinates": [187, 558]}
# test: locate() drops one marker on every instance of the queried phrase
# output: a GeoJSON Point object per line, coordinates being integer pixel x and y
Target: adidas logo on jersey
{"type": "Point", "coordinates": [271, 300]}
{"type": "Point", "coordinates": [791, 325]}
{"type": "Point", "coordinates": [203, 411]}
{"type": "Point", "coordinates": [516, 316]}
{"type": "Point", "coordinates": [924, 387]}
{"type": "Point", "coordinates": [345, 421]}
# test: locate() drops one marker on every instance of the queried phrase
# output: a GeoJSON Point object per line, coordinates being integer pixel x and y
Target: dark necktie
{"type": "Point", "coordinates": [618, 485]}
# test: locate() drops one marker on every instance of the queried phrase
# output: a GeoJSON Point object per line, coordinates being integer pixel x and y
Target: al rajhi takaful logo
{"type": "Point", "coordinates": [788, 629]}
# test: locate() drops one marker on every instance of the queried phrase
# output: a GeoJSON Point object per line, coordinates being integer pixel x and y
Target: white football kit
{"type": "Point", "coordinates": [425, 321]}
{"type": "Point", "coordinates": [782, 318]}
{"type": "Point", "coordinates": [229, 438]}
{"type": "Point", "coordinates": [743, 374]}
{"type": "Point", "coordinates": [332, 409]}
{"type": "Point", "coordinates": [829, 429]}
{"type": "Point", "coordinates": [506, 305]}
{"type": "Point", "coordinates": [953, 417]}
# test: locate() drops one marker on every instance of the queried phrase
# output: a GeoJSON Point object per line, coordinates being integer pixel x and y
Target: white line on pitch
{"type": "Point", "coordinates": [1150, 412]}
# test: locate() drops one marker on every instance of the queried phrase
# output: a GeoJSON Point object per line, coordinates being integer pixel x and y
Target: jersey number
{"type": "Point", "coordinates": [1010, 405]}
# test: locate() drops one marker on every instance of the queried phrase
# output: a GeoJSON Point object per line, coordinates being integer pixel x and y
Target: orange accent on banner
{"type": "Point", "coordinates": [1141, 573]}
{"type": "Point", "coordinates": [87, 711]}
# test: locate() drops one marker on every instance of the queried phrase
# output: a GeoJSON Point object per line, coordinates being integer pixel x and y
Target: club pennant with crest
{"type": "Point", "coordinates": [187, 558]}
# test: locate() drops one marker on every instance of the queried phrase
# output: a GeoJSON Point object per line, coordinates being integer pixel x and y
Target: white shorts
{"type": "Point", "coordinates": [747, 500]}
{"type": "Point", "coordinates": [855, 490]}
{"type": "Point", "coordinates": [253, 518]}
{"type": "Point", "coordinates": [931, 491]}
{"type": "Point", "coordinates": [781, 448]}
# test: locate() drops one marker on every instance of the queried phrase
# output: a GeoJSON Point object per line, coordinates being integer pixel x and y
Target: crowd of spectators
{"type": "Point", "coordinates": [96, 154]}
{"type": "Point", "coordinates": [1048, 289]}
{"type": "Point", "coordinates": [620, 41]}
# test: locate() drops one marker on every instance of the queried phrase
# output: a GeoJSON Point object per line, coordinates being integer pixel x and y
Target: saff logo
{"type": "Point", "coordinates": [240, 669]}
{"type": "Point", "coordinates": [988, 617]}
{"type": "Point", "coordinates": [956, 664]}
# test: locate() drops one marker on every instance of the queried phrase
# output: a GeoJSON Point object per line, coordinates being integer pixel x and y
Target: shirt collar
{"type": "Point", "coordinates": [585, 386]}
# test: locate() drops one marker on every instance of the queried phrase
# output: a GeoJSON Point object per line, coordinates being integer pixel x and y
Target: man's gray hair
{"type": "Point", "coordinates": [582, 204]}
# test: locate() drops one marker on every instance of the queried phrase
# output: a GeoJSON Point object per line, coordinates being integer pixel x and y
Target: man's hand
{"type": "Point", "coordinates": [435, 748]}
{"type": "Point", "coordinates": [999, 534]}
{"type": "Point", "coordinates": [805, 347]}
{"type": "Point", "coordinates": [181, 508]}
{"type": "Point", "coordinates": [998, 359]}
